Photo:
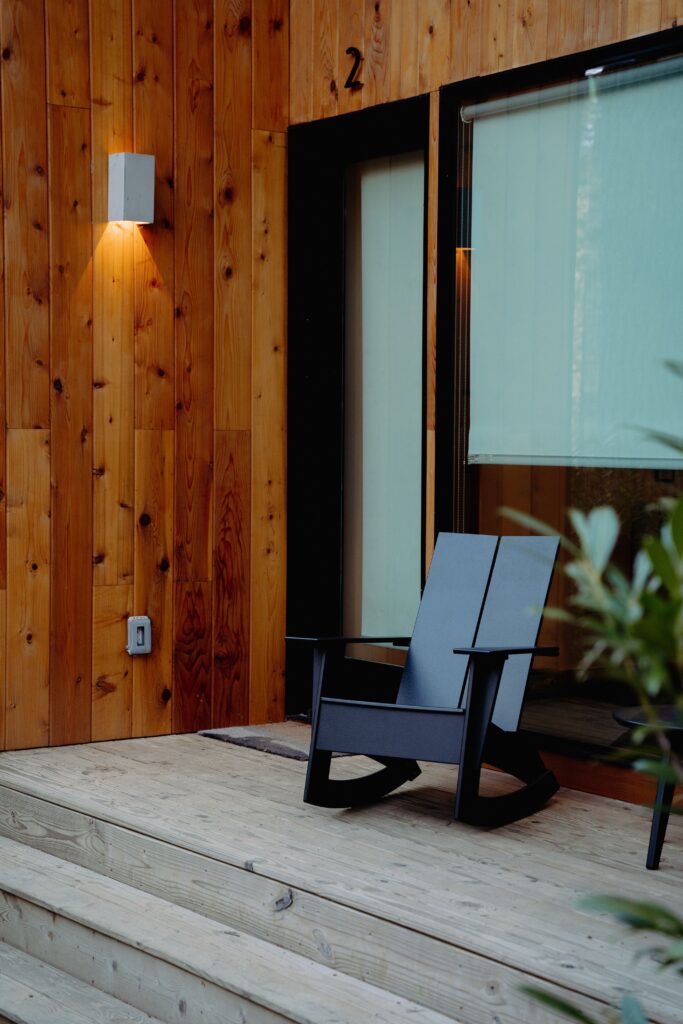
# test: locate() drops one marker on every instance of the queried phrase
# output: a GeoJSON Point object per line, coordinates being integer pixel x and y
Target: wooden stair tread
{"type": "Point", "coordinates": [284, 984]}
{"type": "Point", "coordinates": [33, 992]}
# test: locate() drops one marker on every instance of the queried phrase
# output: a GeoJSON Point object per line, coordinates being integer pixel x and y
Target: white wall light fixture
{"type": "Point", "coordinates": [131, 187]}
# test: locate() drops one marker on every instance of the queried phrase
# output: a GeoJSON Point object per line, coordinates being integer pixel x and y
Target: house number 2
{"type": "Point", "coordinates": [352, 82]}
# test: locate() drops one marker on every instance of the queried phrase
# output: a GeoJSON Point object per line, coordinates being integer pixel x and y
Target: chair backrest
{"type": "Point", "coordinates": [485, 591]}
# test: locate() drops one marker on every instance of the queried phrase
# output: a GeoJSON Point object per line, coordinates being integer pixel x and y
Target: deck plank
{"type": "Point", "coordinates": [491, 908]}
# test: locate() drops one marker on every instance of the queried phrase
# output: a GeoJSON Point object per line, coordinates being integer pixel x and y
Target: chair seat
{"type": "Point", "coordinates": [390, 730]}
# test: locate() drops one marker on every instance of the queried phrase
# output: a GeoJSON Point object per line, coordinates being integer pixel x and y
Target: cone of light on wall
{"type": "Point", "coordinates": [131, 187]}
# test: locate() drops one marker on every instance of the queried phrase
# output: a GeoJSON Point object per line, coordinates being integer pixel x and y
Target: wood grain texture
{"type": "Point", "coordinates": [468, 50]}
{"type": "Point", "coordinates": [351, 33]}
{"type": "Point", "coordinates": [376, 66]}
{"type": "Point", "coordinates": [153, 581]}
{"type": "Point", "coordinates": [3, 669]}
{"type": "Point", "coordinates": [641, 16]}
{"type": "Point", "coordinates": [301, 60]}
{"type": "Point", "coordinates": [112, 132]}
{"type": "Point", "coordinates": [529, 32]}
{"type": "Point", "coordinates": [71, 417]}
{"type": "Point", "coordinates": [112, 666]}
{"type": "Point", "coordinates": [566, 27]}
{"type": "Point", "coordinates": [194, 291]}
{"type": "Point", "coordinates": [672, 14]}
{"type": "Point", "coordinates": [25, 165]}
{"type": "Point", "coordinates": [28, 588]}
{"type": "Point", "coordinates": [68, 58]}
{"type": "Point", "coordinates": [325, 59]}
{"type": "Point", "coordinates": [270, 19]}
{"type": "Point", "coordinates": [3, 414]}
{"type": "Point", "coordinates": [231, 576]}
{"type": "Point", "coordinates": [232, 221]}
{"type": "Point", "coordinates": [433, 43]}
{"type": "Point", "coordinates": [192, 657]}
{"type": "Point", "coordinates": [268, 556]}
{"type": "Point", "coordinates": [153, 130]}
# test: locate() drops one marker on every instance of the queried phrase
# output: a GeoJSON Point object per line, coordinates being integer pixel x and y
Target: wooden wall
{"type": "Point", "coordinates": [142, 369]}
{"type": "Point", "coordinates": [416, 46]}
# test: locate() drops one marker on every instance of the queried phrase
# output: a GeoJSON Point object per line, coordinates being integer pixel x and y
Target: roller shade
{"type": "Point", "coordinates": [576, 272]}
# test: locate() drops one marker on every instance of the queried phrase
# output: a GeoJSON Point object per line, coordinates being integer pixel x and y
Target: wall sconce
{"type": "Point", "coordinates": [131, 187]}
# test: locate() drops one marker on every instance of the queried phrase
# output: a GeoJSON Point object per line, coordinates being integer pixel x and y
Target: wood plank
{"type": "Point", "coordinates": [268, 542]}
{"type": "Point", "coordinates": [112, 666]}
{"type": "Point", "coordinates": [33, 991]}
{"type": "Point", "coordinates": [377, 53]}
{"type": "Point", "coordinates": [672, 13]}
{"type": "Point", "coordinates": [153, 90]}
{"type": "Point", "coordinates": [434, 41]}
{"type": "Point", "coordinates": [326, 64]}
{"type": "Point", "coordinates": [194, 290]}
{"type": "Point", "coordinates": [3, 669]}
{"type": "Point", "coordinates": [301, 60]}
{"type": "Point", "coordinates": [529, 32]}
{"type": "Point", "coordinates": [351, 33]}
{"type": "Point", "coordinates": [192, 657]}
{"type": "Point", "coordinates": [566, 27]}
{"type": "Point", "coordinates": [371, 948]}
{"type": "Point", "coordinates": [3, 425]}
{"type": "Point", "coordinates": [68, 58]}
{"type": "Point", "coordinates": [640, 17]}
{"type": "Point", "coordinates": [430, 326]}
{"type": "Point", "coordinates": [153, 594]}
{"type": "Point", "coordinates": [231, 591]}
{"type": "Point", "coordinates": [470, 51]}
{"type": "Point", "coordinates": [529, 874]}
{"type": "Point", "coordinates": [270, 19]}
{"type": "Point", "coordinates": [232, 184]}
{"type": "Point", "coordinates": [28, 588]}
{"type": "Point", "coordinates": [494, 41]}
{"type": "Point", "coordinates": [112, 132]}
{"type": "Point", "coordinates": [602, 22]}
{"type": "Point", "coordinates": [271, 984]}
{"type": "Point", "coordinates": [71, 418]}
{"type": "Point", "coordinates": [405, 48]}
{"type": "Point", "coordinates": [22, 32]}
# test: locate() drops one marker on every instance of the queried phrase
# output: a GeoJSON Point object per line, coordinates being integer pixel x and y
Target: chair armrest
{"type": "Point", "coordinates": [328, 641]}
{"type": "Point", "coordinates": [488, 651]}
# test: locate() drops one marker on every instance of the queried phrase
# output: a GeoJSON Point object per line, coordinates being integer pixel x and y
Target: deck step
{"type": "Point", "coordinates": [32, 992]}
{"type": "Point", "coordinates": [170, 962]}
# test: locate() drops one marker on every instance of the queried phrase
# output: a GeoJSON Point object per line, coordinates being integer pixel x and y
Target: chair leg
{"type": "Point", "coordinates": [323, 791]}
{"type": "Point", "coordinates": [660, 819]}
{"type": "Point", "coordinates": [515, 756]}
{"type": "Point", "coordinates": [326, 792]}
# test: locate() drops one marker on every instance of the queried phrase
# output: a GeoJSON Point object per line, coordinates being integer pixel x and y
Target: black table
{"type": "Point", "coordinates": [671, 720]}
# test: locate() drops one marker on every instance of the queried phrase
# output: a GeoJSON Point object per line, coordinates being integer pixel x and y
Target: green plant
{"type": "Point", "coordinates": [632, 627]}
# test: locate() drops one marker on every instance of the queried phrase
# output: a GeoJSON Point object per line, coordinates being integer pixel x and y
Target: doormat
{"type": "Point", "coordinates": [286, 739]}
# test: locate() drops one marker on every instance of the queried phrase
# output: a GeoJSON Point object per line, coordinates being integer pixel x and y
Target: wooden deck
{"type": "Point", "coordinates": [390, 901]}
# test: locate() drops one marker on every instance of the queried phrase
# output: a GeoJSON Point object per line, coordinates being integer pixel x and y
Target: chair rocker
{"type": "Point", "coordinates": [461, 692]}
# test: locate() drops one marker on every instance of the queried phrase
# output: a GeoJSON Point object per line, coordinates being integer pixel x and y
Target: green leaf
{"type": "Point", "coordinates": [676, 521]}
{"type": "Point", "coordinates": [662, 564]}
{"type": "Point", "coordinates": [640, 916]}
{"type": "Point", "coordinates": [631, 1011]}
{"type": "Point", "coordinates": [660, 769]}
{"type": "Point", "coordinates": [598, 532]}
{"type": "Point", "coordinates": [560, 1005]}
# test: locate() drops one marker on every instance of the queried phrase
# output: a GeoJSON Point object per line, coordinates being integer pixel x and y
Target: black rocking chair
{"type": "Point", "coordinates": [461, 692]}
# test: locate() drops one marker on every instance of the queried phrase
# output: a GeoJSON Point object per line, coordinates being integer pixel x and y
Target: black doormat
{"type": "Point", "coordinates": [286, 739]}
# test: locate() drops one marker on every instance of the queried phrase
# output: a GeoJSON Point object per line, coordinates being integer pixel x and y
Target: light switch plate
{"type": "Point", "coordinates": [139, 634]}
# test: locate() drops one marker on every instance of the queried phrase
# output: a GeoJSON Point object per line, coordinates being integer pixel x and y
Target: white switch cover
{"type": "Point", "coordinates": [139, 634]}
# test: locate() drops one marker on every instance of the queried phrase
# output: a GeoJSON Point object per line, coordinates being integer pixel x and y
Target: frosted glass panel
{"type": "Point", "coordinates": [577, 294]}
{"type": "Point", "coordinates": [383, 395]}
